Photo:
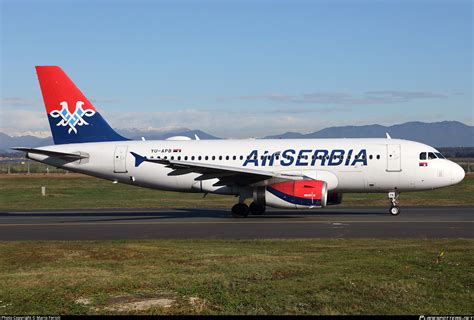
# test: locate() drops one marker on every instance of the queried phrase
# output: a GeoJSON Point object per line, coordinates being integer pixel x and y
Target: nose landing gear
{"type": "Point", "coordinates": [394, 203]}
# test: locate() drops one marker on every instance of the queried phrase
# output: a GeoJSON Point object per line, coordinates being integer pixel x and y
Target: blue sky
{"type": "Point", "coordinates": [242, 68]}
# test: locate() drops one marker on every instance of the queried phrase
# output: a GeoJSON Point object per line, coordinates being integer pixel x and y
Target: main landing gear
{"type": "Point", "coordinates": [241, 210]}
{"type": "Point", "coordinates": [257, 209]}
{"type": "Point", "coordinates": [394, 207]}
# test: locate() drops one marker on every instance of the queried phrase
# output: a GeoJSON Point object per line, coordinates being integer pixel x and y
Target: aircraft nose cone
{"type": "Point", "coordinates": [457, 173]}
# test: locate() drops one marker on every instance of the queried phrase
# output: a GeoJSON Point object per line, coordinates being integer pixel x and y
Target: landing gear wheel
{"type": "Point", "coordinates": [395, 210]}
{"type": "Point", "coordinates": [256, 209]}
{"type": "Point", "coordinates": [240, 210]}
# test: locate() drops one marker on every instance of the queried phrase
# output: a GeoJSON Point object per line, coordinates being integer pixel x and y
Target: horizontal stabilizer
{"type": "Point", "coordinates": [56, 154]}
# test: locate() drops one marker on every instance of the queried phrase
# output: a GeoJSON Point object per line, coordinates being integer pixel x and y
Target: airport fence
{"type": "Point", "coordinates": [25, 166]}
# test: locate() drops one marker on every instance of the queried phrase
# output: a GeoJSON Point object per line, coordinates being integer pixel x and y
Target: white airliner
{"type": "Point", "coordinates": [292, 174]}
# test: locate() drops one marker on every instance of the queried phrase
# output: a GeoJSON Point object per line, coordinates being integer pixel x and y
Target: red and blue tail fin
{"type": "Point", "coordinates": [73, 119]}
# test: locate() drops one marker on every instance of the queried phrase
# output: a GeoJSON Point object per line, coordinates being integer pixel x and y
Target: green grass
{"type": "Point", "coordinates": [73, 191]}
{"type": "Point", "coordinates": [241, 277]}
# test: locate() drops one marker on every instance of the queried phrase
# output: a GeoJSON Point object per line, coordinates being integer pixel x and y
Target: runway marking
{"type": "Point", "coordinates": [214, 222]}
{"type": "Point", "coordinates": [156, 210]}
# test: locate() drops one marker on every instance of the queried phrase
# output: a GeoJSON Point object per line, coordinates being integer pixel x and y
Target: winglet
{"type": "Point", "coordinates": [388, 136]}
{"type": "Point", "coordinates": [197, 137]}
{"type": "Point", "coordinates": [138, 159]}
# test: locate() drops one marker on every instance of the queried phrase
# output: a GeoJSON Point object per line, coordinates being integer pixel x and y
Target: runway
{"type": "Point", "coordinates": [110, 224]}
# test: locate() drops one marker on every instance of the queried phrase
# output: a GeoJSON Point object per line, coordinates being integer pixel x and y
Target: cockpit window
{"type": "Point", "coordinates": [439, 155]}
{"type": "Point", "coordinates": [423, 156]}
{"type": "Point", "coordinates": [431, 155]}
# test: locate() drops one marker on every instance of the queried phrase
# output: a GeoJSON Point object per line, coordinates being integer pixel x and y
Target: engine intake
{"type": "Point", "coordinates": [302, 194]}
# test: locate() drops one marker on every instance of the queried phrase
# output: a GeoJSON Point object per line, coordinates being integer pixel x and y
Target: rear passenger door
{"type": "Point", "coordinates": [120, 159]}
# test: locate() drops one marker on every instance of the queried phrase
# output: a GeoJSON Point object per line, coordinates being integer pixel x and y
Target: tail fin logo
{"type": "Point", "coordinates": [74, 119]}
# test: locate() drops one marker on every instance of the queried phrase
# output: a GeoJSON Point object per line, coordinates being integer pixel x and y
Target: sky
{"type": "Point", "coordinates": [241, 69]}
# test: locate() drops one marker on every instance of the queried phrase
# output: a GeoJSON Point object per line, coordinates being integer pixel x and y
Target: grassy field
{"type": "Point", "coordinates": [73, 191]}
{"type": "Point", "coordinates": [238, 277]}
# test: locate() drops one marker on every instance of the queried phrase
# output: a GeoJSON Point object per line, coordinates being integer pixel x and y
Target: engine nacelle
{"type": "Point", "coordinates": [334, 198]}
{"type": "Point", "coordinates": [302, 194]}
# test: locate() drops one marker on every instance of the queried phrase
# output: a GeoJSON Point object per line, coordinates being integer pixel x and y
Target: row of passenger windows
{"type": "Point", "coordinates": [431, 155]}
{"type": "Point", "coordinates": [320, 157]}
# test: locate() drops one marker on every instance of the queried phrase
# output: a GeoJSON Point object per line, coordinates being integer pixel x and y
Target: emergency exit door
{"type": "Point", "coordinates": [394, 159]}
{"type": "Point", "coordinates": [120, 159]}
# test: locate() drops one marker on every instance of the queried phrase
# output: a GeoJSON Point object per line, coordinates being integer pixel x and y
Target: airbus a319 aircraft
{"type": "Point", "coordinates": [291, 174]}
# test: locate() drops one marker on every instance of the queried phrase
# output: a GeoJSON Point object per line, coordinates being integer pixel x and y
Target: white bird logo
{"type": "Point", "coordinates": [74, 119]}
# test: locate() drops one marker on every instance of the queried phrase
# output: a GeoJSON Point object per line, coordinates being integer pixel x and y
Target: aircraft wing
{"type": "Point", "coordinates": [55, 154]}
{"type": "Point", "coordinates": [227, 175]}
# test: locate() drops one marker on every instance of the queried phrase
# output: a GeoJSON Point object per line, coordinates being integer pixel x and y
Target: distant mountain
{"type": "Point", "coordinates": [438, 134]}
{"type": "Point", "coordinates": [137, 134]}
{"type": "Point", "coordinates": [6, 141]}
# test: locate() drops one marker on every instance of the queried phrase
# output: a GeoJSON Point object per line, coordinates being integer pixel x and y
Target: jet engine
{"type": "Point", "coordinates": [302, 194]}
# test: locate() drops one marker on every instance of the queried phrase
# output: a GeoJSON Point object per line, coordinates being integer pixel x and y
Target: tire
{"type": "Point", "coordinates": [256, 209]}
{"type": "Point", "coordinates": [394, 210]}
{"type": "Point", "coordinates": [240, 210]}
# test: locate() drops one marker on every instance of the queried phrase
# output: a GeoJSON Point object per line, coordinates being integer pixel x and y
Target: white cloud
{"type": "Point", "coordinates": [21, 122]}
{"type": "Point", "coordinates": [18, 102]}
{"type": "Point", "coordinates": [328, 98]}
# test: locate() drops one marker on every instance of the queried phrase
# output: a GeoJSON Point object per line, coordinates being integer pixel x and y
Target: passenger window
{"type": "Point", "coordinates": [192, 158]}
{"type": "Point", "coordinates": [423, 156]}
{"type": "Point", "coordinates": [370, 157]}
{"type": "Point", "coordinates": [185, 157]}
{"type": "Point", "coordinates": [378, 156]}
{"type": "Point", "coordinates": [431, 155]}
{"type": "Point", "coordinates": [199, 158]}
{"type": "Point", "coordinates": [220, 157]}
{"type": "Point", "coordinates": [213, 157]}
{"type": "Point", "coordinates": [227, 157]}
{"type": "Point", "coordinates": [206, 158]}
{"type": "Point", "coordinates": [241, 157]}
{"type": "Point", "coordinates": [234, 158]}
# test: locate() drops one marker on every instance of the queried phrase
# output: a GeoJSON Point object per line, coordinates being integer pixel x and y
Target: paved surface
{"type": "Point", "coordinates": [414, 222]}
